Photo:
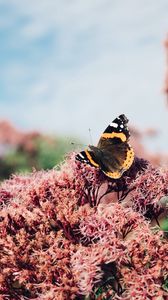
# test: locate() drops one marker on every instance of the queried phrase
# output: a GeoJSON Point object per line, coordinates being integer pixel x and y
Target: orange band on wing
{"type": "Point", "coordinates": [113, 135]}
{"type": "Point", "coordinates": [129, 159]}
{"type": "Point", "coordinates": [114, 175]}
{"type": "Point", "coordinates": [90, 159]}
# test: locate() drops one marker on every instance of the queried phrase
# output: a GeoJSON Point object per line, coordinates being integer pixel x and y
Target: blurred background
{"type": "Point", "coordinates": [70, 65]}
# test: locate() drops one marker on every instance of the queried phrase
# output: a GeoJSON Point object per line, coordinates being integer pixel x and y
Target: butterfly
{"type": "Point", "coordinates": [113, 155]}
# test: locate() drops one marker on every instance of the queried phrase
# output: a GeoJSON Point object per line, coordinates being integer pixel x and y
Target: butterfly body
{"type": "Point", "coordinates": [113, 154]}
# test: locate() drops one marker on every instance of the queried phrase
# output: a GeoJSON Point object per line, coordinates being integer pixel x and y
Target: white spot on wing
{"type": "Point", "coordinates": [112, 124]}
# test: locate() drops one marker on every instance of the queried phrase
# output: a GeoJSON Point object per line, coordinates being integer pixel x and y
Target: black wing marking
{"type": "Point", "coordinates": [117, 128]}
{"type": "Point", "coordinates": [88, 157]}
{"type": "Point", "coordinates": [117, 132]}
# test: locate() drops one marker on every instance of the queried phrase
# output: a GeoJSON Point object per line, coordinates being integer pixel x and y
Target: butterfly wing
{"type": "Point", "coordinates": [88, 157]}
{"type": "Point", "coordinates": [117, 157]}
{"type": "Point", "coordinates": [113, 154]}
{"type": "Point", "coordinates": [117, 129]}
{"type": "Point", "coordinates": [117, 154]}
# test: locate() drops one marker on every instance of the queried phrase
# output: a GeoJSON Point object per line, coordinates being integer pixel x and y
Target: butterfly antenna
{"type": "Point", "coordinates": [90, 136]}
{"type": "Point", "coordinates": [76, 144]}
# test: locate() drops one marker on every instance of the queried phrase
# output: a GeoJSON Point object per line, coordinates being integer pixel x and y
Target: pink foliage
{"type": "Point", "coordinates": [72, 232]}
{"type": "Point", "coordinates": [137, 142]}
{"type": "Point", "coordinates": [13, 137]}
{"type": "Point", "coordinates": [166, 77]}
{"type": "Point", "coordinates": [148, 189]}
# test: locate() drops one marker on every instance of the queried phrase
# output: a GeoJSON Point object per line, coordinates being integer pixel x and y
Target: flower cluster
{"type": "Point", "coordinates": [147, 190]}
{"type": "Point", "coordinates": [73, 233]}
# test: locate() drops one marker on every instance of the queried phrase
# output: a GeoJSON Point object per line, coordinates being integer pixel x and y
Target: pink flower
{"type": "Point", "coordinates": [72, 232]}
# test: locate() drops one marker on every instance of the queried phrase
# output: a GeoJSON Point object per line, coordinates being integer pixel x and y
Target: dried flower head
{"type": "Point", "coordinates": [72, 232]}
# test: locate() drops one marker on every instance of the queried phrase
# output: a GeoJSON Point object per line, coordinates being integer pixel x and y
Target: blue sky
{"type": "Point", "coordinates": [70, 65]}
